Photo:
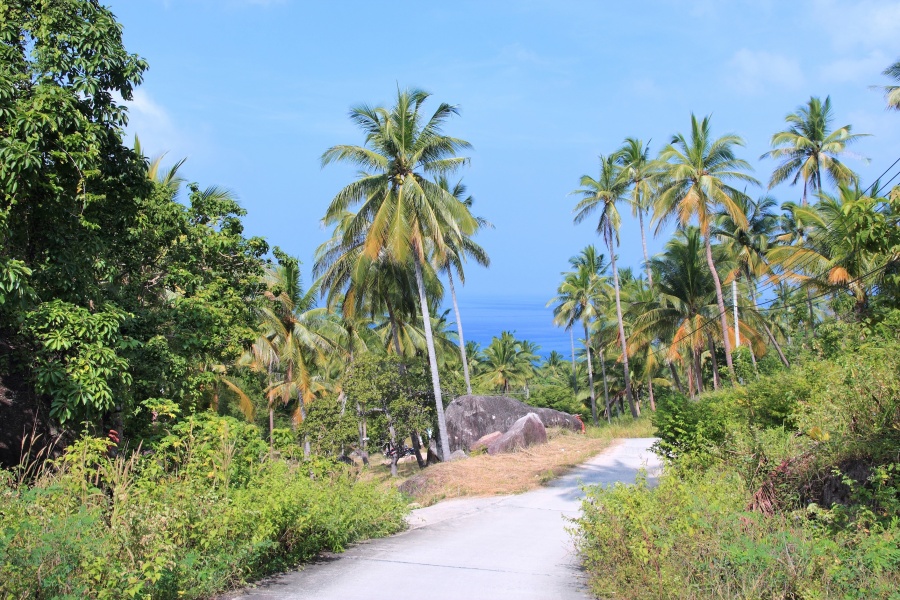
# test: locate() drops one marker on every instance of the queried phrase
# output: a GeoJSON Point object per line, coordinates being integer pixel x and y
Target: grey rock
{"type": "Point", "coordinates": [527, 431]}
{"type": "Point", "coordinates": [471, 417]}
{"type": "Point", "coordinates": [458, 455]}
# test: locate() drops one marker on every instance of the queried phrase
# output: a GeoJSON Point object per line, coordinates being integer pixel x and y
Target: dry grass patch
{"type": "Point", "coordinates": [517, 472]}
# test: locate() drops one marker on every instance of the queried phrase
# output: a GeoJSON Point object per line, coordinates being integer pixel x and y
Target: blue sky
{"type": "Point", "coordinates": [253, 91]}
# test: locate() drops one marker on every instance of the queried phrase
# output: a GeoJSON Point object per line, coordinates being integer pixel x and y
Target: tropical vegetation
{"type": "Point", "coordinates": [183, 411]}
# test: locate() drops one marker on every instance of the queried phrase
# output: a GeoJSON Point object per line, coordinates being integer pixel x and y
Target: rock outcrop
{"type": "Point", "coordinates": [471, 417]}
{"type": "Point", "coordinates": [527, 431]}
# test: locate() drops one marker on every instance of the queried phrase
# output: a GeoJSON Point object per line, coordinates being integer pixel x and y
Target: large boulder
{"type": "Point", "coordinates": [527, 431]}
{"type": "Point", "coordinates": [471, 417]}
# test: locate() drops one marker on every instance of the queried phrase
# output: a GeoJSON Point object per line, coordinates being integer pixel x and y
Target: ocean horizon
{"type": "Point", "coordinates": [528, 317]}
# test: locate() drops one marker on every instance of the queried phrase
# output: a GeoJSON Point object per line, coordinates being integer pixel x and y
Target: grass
{"type": "Point", "coordinates": [513, 473]}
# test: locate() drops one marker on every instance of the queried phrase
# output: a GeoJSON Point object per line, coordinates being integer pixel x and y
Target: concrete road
{"type": "Point", "coordinates": [471, 548]}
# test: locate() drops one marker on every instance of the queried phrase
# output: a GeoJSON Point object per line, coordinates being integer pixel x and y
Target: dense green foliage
{"type": "Point", "coordinates": [203, 512]}
{"type": "Point", "coordinates": [788, 487]}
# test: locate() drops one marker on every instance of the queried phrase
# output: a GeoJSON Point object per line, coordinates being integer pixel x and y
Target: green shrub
{"type": "Point", "coordinates": [788, 487]}
{"type": "Point", "coordinates": [203, 511]}
{"type": "Point", "coordinates": [692, 537]}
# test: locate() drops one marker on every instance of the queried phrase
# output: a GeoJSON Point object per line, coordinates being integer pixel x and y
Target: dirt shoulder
{"type": "Point", "coordinates": [517, 472]}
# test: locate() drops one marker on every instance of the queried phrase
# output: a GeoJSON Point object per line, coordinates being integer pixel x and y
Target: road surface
{"type": "Point", "coordinates": [470, 548]}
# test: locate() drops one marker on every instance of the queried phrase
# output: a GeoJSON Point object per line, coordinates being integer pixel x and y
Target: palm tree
{"type": "Point", "coordinates": [634, 157]}
{"type": "Point", "coordinates": [604, 333]}
{"type": "Point", "coordinates": [683, 297]}
{"type": "Point", "coordinates": [505, 362]}
{"type": "Point", "coordinates": [297, 333]}
{"type": "Point", "coordinates": [697, 170]}
{"type": "Point", "coordinates": [553, 366]}
{"type": "Point", "coordinates": [575, 302]}
{"type": "Point", "coordinates": [456, 250]}
{"type": "Point", "coordinates": [834, 255]}
{"type": "Point", "coordinates": [892, 92]}
{"type": "Point", "coordinates": [602, 194]}
{"type": "Point", "coordinates": [747, 248]}
{"type": "Point", "coordinates": [808, 147]}
{"type": "Point", "coordinates": [402, 211]}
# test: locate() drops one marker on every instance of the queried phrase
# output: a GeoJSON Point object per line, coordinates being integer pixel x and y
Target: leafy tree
{"type": "Point", "coordinates": [401, 210]}
{"type": "Point", "coordinates": [697, 170]}
{"type": "Point", "coordinates": [146, 292]}
{"type": "Point", "coordinates": [393, 391]}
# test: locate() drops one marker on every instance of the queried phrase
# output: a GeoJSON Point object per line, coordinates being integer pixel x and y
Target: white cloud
{"type": "Point", "coordinates": [869, 24]}
{"type": "Point", "coordinates": [757, 71]}
{"type": "Point", "coordinates": [155, 127]}
{"type": "Point", "coordinates": [850, 70]}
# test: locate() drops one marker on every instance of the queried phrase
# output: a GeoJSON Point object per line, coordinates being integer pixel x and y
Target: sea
{"type": "Point", "coordinates": [528, 318]}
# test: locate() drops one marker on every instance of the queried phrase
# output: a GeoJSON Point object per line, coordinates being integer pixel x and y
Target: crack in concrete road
{"type": "Point", "coordinates": [471, 547]}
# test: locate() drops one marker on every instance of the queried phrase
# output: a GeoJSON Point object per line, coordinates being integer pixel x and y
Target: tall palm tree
{"type": "Point", "coordinates": [575, 301]}
{"type": "Point", "coordinates": [808, 147]}
{"type": "Point", "coordinates": [892, 92]}
{"type": "Point", "coordinates": [401, 210]}
{"type": "Point", "coordinates": [747, 248]}
{"type": "Point", "coordinates": [298, 332]}
{"type": "Point", "coordinates": [641, 171]}
{"type": "Point", "coordinates": [684, 295]}
{"type": "Point", "coordinates": [602, 194]}
{"type": "Point", "coordinates": [698, 169]}
{"type": "Point", "coordinates": [457, 249]}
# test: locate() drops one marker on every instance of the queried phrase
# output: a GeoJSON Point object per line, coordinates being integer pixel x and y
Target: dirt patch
{"type": "Point", "coordinates": [513, 473]}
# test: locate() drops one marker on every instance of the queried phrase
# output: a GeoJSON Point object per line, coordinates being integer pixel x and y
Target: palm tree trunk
{"type": "Point", "coordinates": [432, 359]}
{"type": "Point", "coordinates": [587, 347]}
{"type": "Point", "coordinates": [768, 331]}
{"type": "Point", "coordinates": [417, 448]}
{"type": "Point", "coordinates": [628, 391]}
{"type": "Point", "coordinates": [361, 424]}
{"type": "Point", "coordinates": [605, 385]}
{"type": "Point", "coordinates": [812, 327]}
{"type": "Point", "coordinates": [698, 371]}
{"type": "Point", "coordinates": [644, 244]}
{"type": "Point", "coordinates": [726, 342]}
{"type": "Point", "coordinates": [395, 334]}
{"type": "Point", "coordinates": [394, 447]}
{"type": "Point", "coordinates": [650, 392]}
{"type": "Point", "coordinates": [271, 431]}
{"type": "Point", "coordinates": [717, 383]}
{"type": "Point", "coordinates": [302, 407]}
{"type": "Point", "coordinates": [574, 371]}
{"type": "Point", "coordinates": [459, 329]}
{"type": "Point", "coordinates": [675, 377]}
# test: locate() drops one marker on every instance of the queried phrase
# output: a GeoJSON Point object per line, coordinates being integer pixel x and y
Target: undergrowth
{"type": "Point", "coordinates": [788, 487]}
{"type": "Point", "coordinates": [205, 510]}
